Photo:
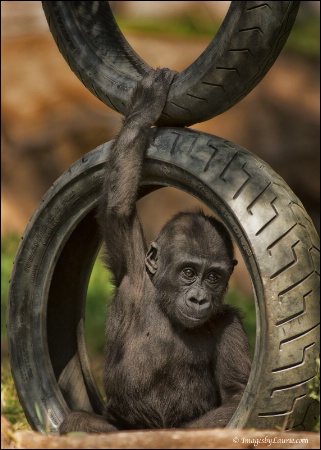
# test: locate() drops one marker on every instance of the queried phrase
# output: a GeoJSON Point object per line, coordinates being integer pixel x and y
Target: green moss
{"type": "Point", "coordinates": [10, 405]}
{"type": "Point", "coordinates": [314, 387]}
{"type": "Point", "coordinates": [186, 26]}
{"type": "Point", "coordinates": [9, 246]}
{"type": "Point", "coordinates": [99, 295]}
{"type": "Point", "coordinates": [247, 307]}
{"type": "Point", "coordinates": [304, 38]}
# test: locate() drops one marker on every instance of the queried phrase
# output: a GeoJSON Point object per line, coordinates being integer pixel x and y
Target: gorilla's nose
{"type": "Point", "coordinates": [198, 302]}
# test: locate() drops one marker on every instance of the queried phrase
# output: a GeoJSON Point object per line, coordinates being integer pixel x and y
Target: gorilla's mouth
{"type": "Point", "coordinates": [192, 320]}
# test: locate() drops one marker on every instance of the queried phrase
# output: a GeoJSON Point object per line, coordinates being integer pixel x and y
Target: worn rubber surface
{"type": "Point", "coordinates": [269, 224]}
{"type": "Point", "coordinates": [248, 42]}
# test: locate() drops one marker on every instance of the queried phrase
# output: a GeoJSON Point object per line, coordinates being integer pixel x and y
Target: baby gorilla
{"type": "Point", "coordinates": [177, 356]}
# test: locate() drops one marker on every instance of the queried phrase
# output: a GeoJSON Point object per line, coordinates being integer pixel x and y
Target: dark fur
{"type": "Point", "coordinates": [177, 356]}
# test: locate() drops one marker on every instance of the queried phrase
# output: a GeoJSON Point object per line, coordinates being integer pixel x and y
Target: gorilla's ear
{"type": "Point", "coordinates": [151, 258]}
{"type": "Point", "coordinates": [235, 263]}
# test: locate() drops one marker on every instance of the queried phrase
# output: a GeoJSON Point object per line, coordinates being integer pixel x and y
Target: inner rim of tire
{"type": "Point", "coordinates": [66, 309]}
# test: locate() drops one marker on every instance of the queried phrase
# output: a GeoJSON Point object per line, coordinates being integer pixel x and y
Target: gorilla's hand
{"type": "Point", "coordinates": [149, 97]}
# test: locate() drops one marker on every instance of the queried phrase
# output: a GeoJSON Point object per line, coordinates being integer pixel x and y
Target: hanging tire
{"type": "Point", "coordinates": [269, 224]}
{"type": "Point", "coordinates": [247, 44]}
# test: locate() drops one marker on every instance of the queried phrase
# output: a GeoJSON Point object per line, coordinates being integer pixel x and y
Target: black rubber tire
{"type": "Point", "coordinates": [269, 224]}
{"type": "Point", "coordinates": [248, 42]}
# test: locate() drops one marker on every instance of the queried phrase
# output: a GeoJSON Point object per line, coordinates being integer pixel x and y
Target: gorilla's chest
{"type": "Point", "coordinates": [163, 380]}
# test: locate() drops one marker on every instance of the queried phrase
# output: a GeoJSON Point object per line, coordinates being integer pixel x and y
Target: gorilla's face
{"type": "Point", "coordinates": [190, 270]}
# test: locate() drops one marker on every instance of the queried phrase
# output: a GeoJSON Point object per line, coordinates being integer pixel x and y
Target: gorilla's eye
{"type": "Point", "coordinates": [212, 277]}
{"type": "Point", "coordinates": [189, 273]}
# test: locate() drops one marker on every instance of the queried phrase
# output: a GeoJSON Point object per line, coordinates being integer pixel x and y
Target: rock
{"type": "Point", "coordinates": [6, 434]}
{"type": "Point", "coordinates": [174, 439]}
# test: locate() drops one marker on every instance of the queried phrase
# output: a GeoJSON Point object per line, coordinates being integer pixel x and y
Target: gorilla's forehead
{"type": "Point", "coordinates": [199, 246]}
{"type": "Point", "coordinates": [190, 234]}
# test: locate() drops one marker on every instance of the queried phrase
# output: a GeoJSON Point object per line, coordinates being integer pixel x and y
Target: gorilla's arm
{"type": "Point", "coordinates": [117, 212]}
{"type": "Point", "coordinates": [233, 366]}
{"type": "Point", "coordinates": [117, 215]}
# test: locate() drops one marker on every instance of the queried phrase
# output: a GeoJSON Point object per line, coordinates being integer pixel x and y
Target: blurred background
{"type": "Point", "coordinates": [50, 120]}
